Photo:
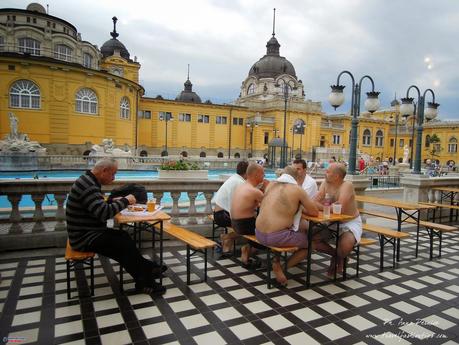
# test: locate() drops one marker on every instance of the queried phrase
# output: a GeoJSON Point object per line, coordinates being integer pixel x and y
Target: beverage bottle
{"type": "Point", "coordinates": [327, 205]}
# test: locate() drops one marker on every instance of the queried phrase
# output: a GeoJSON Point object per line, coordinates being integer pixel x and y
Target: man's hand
{"type": "Point", "coordinates": [131, 198]}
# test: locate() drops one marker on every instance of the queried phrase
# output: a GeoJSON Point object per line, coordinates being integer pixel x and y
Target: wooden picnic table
{"type": "Point", "coordinates": [448, 193]}
{"type": "Point", "coordinates": [139, 219]}
{"type": "Point", "coordinates": [404, 210]}
{"type": "Point", "coordinates": [331, 223]}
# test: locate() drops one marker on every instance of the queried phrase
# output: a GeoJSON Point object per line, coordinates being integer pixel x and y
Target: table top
{"type": "Point", "coordinates": [447, 189]}
{"type": "Point", "coordinates": [333, 218]}
{"type": "Point", "coordinates": [157, 216]}
{"type": "Point", "coordinates": [391, 203]}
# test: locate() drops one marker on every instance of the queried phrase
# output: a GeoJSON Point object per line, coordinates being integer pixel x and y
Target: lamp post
{"type": "Point", "coordinates": [251, 126]}
{"type": "Point", "coordinates": [407, 108]}
{"type": "Point", "coordinates": [412, 138]}
{"type": "Point", "coordinates": [276, 132]}
{"type": "Point", "coordinates": [395, 107]}
{"type": "Point", "coordinates": [293, 130]}
{"type": "Point", "coordinates": [285, 94]}
{"type": "Point", "coordinates": [336, 99]}
{"type": "Point", "coordinates": [166, 117]}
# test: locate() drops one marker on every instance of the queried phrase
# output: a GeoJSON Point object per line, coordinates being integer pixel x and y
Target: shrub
{"type": "Point", "coordinates": [179, 165]}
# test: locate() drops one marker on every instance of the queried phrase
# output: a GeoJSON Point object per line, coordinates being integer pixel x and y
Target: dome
{"type": "Point", "coordinates": [35, 7]}
{"type": "Point", "coordinates": [109, 47]}
{"type": "Point", "coordinates": [272, 64]}
{"type": "Point", "coordinates": [187, 95]}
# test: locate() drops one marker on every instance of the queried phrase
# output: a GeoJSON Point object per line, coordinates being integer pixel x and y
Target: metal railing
{"type": "Point", "coordinates": [384, 181]}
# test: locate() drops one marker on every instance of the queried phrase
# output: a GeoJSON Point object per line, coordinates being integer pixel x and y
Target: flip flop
{"type": "Point", "coordinates": [251, 264]}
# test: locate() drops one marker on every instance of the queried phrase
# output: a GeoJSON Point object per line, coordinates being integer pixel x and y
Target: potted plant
{"type": "Point", "coordinates": [180, 169]}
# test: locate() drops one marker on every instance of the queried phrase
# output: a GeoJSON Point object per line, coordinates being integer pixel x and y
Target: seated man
{"type": "Point", "coordinates": [274, 223]}
{"type": "Point", "coordinates": [223, 199]}
{"type": "Point", "coordinates": [343, 192]}
{"type": "Point", "coordinates": [305, 180]}
{"type": "Point", "coordinates": [244, 204]}
{"type": "Point", "coordinates": [87, 213]}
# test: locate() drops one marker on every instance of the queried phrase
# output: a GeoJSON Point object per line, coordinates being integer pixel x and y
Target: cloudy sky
{"type": "Point", "coordinates": [398, 43]}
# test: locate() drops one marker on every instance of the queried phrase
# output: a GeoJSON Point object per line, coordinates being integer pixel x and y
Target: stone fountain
{"type": "Point", "coordinates": [109, 150]}
{"type": "Point", "coordinates": [17, 151]}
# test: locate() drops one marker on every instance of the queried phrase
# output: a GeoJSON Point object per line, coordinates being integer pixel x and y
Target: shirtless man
{"type": "Point", "coordinates": [350, 232]}
{"type": "Point", "coordinates": [244, 204]}
{"type": "Point", "coordinates": [275, 220]}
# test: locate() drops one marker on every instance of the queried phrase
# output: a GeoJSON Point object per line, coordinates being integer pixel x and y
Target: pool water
{"type": "Point", "coordinates": [26, 200]}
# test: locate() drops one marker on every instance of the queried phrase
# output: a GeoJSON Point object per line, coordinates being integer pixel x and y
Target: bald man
{"type": "Point", "coordinates": [350, 232]}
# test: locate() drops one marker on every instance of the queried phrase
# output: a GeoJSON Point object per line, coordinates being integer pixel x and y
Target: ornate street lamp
{"type": "Point", "coordinates": [166, 117]}
{"type": "Point", "coordinates": [429, 113]}
{"type": "Point", "coordinates": [251, 125]}
{"type": "Point", "coordinates": [285, 92]}
{"type": "Point", "coordinates": [395, 104]}
{"type": "Point", "coordinates": [298, 128]}
{"type": "Point", "coordinates": [336, 99]}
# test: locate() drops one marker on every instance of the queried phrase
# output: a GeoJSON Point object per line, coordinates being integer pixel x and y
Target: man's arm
{"type": "Point", "coordinates": [320, 196]}
{"type": "Point", "coordinates": [93, 200]}
{"type": "Point", "coordinates": [309, 206]}
{"type": "Point", "coordinates": [346, 194]}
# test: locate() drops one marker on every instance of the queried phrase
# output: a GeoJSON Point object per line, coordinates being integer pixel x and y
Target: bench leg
{"type": "Point", "coordinates": [393, 254]}
{"type": "Point", "coordinates": [121, 279]}
{"type": "Point", "coordinates": [439, 243]}
{"type": "Point", "coordinates": [358, 261]}
{"type": "Point", "coordinates": [205, 265]}
{"type": "Point", "coordinates": [91, 264]}
{"type": "Point", "coordinates": [431, 234]}
{"type": "Point", "coordinates": [381, 253]}
{"type": "Point", "coordinates": [417, 240]}
{"type": "Point", "coordinates": [188, 265]}
{"type": "Point", "coordinates": [268, 267]}
{"type": "Point", "coordinates": [68, 278]}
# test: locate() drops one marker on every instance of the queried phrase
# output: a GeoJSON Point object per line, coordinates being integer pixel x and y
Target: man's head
{"type": "Point", "coordinates": [300, 166]}
{"type": "Point", "coordinates": [255, 174]}
{"type": "Point", "coordinates": [335, 173]}
{"type": "Point", "coordinates": [105, 170]}
{"type": "Point", "coordinates": [241, 168]}
{"type": "Point", "coordinates": [290, 170]}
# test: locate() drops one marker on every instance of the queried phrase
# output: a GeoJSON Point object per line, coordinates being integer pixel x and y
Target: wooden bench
{"type": "Point", "coordinates": [269, 250]}
{"type": "Point", "coordinates": [363, 243]}
{"type": "Point", "coordinates": [433, 229]}
{"type": "Point", "coordinates": [385, 236]}
{"type": "Point", "coordinates": [447, 206]}
{"type": "Point", "coordinates": [194, 241]}
{"type": "Point", "coordinates": [73, 257]}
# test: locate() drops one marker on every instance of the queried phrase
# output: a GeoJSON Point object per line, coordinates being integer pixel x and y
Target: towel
{"type": "Point", "coordinates": [286, 178]}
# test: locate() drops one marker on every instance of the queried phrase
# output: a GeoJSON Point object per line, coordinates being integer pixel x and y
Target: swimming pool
{"type": "Point", "coordinates": [131, 175]}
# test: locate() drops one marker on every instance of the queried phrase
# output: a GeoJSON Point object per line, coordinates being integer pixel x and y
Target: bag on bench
{"type": "Point", "coordinates": [137, 190]}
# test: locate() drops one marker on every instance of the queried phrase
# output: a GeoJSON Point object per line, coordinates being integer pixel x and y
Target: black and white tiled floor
{"type": "Point", "coordinates": [416, 303]}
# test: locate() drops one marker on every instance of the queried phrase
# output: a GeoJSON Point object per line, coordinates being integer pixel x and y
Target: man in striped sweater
{"type": "Point", "coordinates": [87, 213]}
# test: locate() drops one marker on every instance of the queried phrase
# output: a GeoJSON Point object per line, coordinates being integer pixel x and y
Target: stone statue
{"type": "Point", "coordinates": [406, 152]}
{"type": "Point", "coordinates": [14, 126]}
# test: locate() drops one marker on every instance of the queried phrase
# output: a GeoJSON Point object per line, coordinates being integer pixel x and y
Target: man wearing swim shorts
{"type": "Point", "coordinates": [350, 232]}
{"type": "Point", "coordinates": [274, 225]}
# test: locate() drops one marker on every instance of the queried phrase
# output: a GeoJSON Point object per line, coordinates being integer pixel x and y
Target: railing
{"type": "Point", "coordinates": [384, 181]}
{"type": "Point", "coordinates": [190, 213]}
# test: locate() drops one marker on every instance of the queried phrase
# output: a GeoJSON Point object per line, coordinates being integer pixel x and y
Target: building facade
{"type": "Point", "coordinates": [69, 95]}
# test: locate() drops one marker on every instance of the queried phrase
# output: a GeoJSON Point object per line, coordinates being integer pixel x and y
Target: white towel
{"type": "Point", "coordinates": [286, 178]}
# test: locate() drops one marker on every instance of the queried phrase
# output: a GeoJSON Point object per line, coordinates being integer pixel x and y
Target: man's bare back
{"type": "Point", "coordinates": [246, 199]}
{"type": "Point", "coordinates": [280, 203]}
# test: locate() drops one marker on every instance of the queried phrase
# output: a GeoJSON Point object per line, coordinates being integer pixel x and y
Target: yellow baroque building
{"type": "Point", "coordinates": [69, 95]}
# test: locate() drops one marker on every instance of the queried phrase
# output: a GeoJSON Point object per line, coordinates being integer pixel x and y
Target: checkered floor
{"type": "Point", "coordinates": [417, 302]}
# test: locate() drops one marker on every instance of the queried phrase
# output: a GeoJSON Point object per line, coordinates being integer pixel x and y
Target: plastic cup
{"type": "Point", "coordinates": [151, 205]}
{"type": "Point", "coordinates": [337, 208]}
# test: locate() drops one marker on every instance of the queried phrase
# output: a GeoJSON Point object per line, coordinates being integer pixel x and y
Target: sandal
{"type": "Point", "coordinates": [154, 289]}
{"type": "Point", "coordinates": [251, 264]}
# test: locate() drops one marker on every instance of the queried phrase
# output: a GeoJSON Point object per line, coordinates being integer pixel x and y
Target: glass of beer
{"type": "Point", "coordinates": [151, 205]}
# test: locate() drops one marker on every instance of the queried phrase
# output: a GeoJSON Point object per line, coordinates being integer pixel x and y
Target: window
{"type": "Point", "coordinates": [184, 117]}
{"type": "Point", "coordinates": [63, 52]}
{"type": "Point", "coordinates": [28, 19]}
{"type": "Point", "coordinates": [336, 139]}
{"type": "Point", "coordinates": [220, 120]}
{"type": "Point", "coordinates": [392, 142]}
{"type": "Point", "coordinates": [322, 141]}
{"type": "Point", "coordinates": [202, 154]}
{"type": "Point", "coordinates": [251, 89]}
{"type": "Point", "coordinates": [379, 138]}
{"type": "Point", "coordinates": [165, 115]}
{"type": "Point", "coordinates": [452, 145]}
{"type": "Point", "coordinates": [146, 114]}
{"type": "Point", "coordinates": [366, 137]}
{"type": "Point", "coordinates": [427, 144]}
{"type": "Point", "coordinates": [34, 20]}
{"type": "Point", "coordinates": [237, 155]}
{"type": "Point", "coordinates": [124, 108]}
{"type": "Point", "coordinates": [86, 102]}
{"type": "Point", "coordinates": [402, 143]}
{"type": "Point", "coordinates": [87, 60]}
{"type": "Point", "coordinates": [220, 155]}
{"type": "Point", "coordinates": [29, 45]}
{"type": "Point", "coordinates": [266, 138]}
{"type": "Point", "coordinates": [203, 118]}
{"type": "Point", "coordinates": [25, 94]}
{"type": "Point", "coordinates": [2, 43]}
{"type": "Point", "coordinates": [238, 121]}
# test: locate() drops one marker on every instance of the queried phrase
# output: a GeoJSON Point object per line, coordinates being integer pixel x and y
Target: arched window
{"type": "Point", "coordinates": [124, 108]}
{"type": "Point", "coordinates": [63, 52]}
{"type": "Point", "coordinates": [427, 142]}
{"type": "Point", "coordinates": [29, 45]}
{"type": "Point", "coordinates": [202, 154]}
{"type": "Point", "coordinates": [237, 155]}
{"type": "Point", "coordinates": [366, 137]}
{"type": "Point", "coordinates": [25, 94]}
{"type": "Point", "coordinates": [86, 153]}
{"type": "Point", "coordinates": [452, 145]}
{"type": "Point", "coordinates": [379, 138]}
{"type": "Point", "coordinates": [86, 101]}
{"type": "Point", "coordinates": [87, 60]}
{"type": "Point", "coordinates": [184, 154]}
{"type": "Point", "coordinates": [251, 89]}
{"type": "Point", "coordinates": [164, 153]}
{"type": "Point", "coordinates": [143, 153]}
{"type": "Point", "coordinates": [220, 155]}
{"type": "Point", "coordinates": [250, 155]}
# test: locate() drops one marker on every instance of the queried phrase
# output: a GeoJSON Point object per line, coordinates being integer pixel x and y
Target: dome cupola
{"type": "Point", "coordinates": [113, 44]}
{"type": "Point", "coordinates": [187, 95]}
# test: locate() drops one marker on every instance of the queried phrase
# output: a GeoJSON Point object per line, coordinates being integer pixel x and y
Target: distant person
{"type": "Point", "coordinates": [361, 164]}
{"type": "Point", "coordinates": [87, 213]}
{"type": "Point", "coordinates": [276, 217]}
{"type": "Point", "coordinates": [351, 231]}
{"type": "Point", "coordinates": [222, 207]}
{"type": "Point", "coordinates": [244, 206]}
{"type": "Point", "coordinates": [308, 183]}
